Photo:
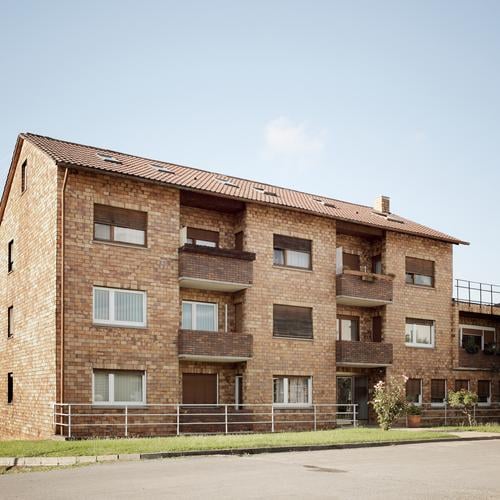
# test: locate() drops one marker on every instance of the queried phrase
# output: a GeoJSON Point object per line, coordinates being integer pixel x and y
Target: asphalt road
{"type": "Point", "coordinates": [433, 470]}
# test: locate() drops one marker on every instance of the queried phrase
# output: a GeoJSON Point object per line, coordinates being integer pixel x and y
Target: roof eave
{"type": "Point", "coordinates": [86, 168]}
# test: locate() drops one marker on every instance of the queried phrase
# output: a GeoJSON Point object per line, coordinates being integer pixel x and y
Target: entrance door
{"type": "Point", "coordinates": [199, 389]}
{"type": "Point", "coordinates": [361, 397]}
{"type": "Point", "coordinates": [344, 397]}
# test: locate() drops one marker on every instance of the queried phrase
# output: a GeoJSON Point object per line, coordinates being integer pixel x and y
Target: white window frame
{"type": "Point", "coordinates": [420, 396]}
{"type": "Point", "coordinates": [423, 346]}
{"type": "Point", "coordinates": [475, 327]}
{"type": "Point", "coordinates": [193, 314]}
{"type": "Point", "coordinates": [286, 404]}
{"type": "Point", "coordinates": [111, 389]}
{"type": "Point", "coordinates": [439, 405]}
{"type": "Point", "coordinates": [111, 321]}
{"type": "Point", "coordinates": [488, 402]}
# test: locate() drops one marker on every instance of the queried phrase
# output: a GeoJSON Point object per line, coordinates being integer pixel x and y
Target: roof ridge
{"type": "Point", "coordinates": [313, 195]}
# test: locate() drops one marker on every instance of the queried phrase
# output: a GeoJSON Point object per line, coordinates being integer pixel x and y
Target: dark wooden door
{"type": "Point", "coordinates": [199, 389]}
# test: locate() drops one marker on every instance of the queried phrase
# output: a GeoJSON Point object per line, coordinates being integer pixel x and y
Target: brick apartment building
{"type": "Point", "coordinates": [128, 281]}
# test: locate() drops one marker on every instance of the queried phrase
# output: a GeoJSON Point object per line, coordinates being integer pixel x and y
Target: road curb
{"type": "Point", "coordinates": [68, 461]}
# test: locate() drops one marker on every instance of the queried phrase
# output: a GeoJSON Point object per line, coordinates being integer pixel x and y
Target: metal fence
{"type": "Point", "coordinates": [475, 292]}
{"type": "Point", "coordinates": [443, 414]}
{"type": "Point", "coordinates": [84, 420]}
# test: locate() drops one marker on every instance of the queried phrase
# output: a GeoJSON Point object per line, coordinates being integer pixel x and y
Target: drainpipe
{"type": "Point", "coordinates": [61, 327]}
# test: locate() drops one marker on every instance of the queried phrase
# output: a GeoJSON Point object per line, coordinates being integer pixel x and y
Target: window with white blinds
{"type": "Point", "coordinates": [119, 307]}
{"type": "Point", "coordinates": [119, 387]}
{"type": "Point", "coordinates": [199, 316]}
{"type": "Point", "coordinates": [293, 391]}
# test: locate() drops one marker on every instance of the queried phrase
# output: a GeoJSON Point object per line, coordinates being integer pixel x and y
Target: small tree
{"type": "Point", "coordinates": [389, 403]}
{"type": "Point", "coordinates": [465, 401]}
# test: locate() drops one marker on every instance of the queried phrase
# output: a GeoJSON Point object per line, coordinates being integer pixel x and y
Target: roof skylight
{"type": "Point", "coordinates": [226, 182]}
{"type": "Point", "coordinates": [107, 157]}
{"type": "Point", "coordinates": [162, 168]}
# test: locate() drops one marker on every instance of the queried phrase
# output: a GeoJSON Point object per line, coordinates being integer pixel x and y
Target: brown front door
{"type": "Point", "coordinates": [199, 389]}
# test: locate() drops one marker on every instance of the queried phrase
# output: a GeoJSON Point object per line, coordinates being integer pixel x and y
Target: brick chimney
{"type": "Point", "coordinates": [382, 204]}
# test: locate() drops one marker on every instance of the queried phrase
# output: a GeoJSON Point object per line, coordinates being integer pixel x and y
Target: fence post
{"type": "Point", "coordinates": [272, 418]}
{"type": "Point", "coordinates": [314, 407]}
{"type": "Point", "coordinates": [178, 421]}
{"type": "Point", "coordinates": [354, 421]}
{"type": "Point", "coordinates": [126, 421]}
{"type": "Point", "coordinates": [225, 418]}
{"type": "Point", "coordinates": [69, 421]}
{"type": "Point", "coordinates": [474, 415]}
{"type": "Point", "coordinates": [445, 413]}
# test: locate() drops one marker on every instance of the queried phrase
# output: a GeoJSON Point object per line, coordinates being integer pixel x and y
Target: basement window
{"type": "Point", "coordinates": [107, 157]}
{"type": "Point", "coordinates": [10, 388]}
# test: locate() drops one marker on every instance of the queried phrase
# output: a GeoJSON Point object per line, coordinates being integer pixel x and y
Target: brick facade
{"type": "Point", "coordinates": [33, 220]}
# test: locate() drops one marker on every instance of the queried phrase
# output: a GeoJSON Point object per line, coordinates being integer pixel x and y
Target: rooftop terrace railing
{"type": "Point", "coordinates": [477, 293]}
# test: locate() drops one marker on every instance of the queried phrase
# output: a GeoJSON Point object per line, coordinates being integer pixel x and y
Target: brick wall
{"type": "Point", "coordinates": [364, 352]}
{"type": "Point", "coordinates": [371, 287]}
{"type": "Point", "coordinates": [30, 219]}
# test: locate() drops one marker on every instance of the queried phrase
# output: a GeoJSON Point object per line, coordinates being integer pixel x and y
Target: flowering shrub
{"type": "Point", "coordinates": [465, 401]}
{"type": "Point", "coordinates": [389, 403]}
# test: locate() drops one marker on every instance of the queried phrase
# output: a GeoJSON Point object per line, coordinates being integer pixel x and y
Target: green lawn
{"type": "Point", "coordinates": [478, 428]}
{"type": "Point", "coordinates": [185, 443]}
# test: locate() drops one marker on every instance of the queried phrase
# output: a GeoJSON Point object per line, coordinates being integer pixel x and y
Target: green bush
{"type": "Point", "coordinates": [465, 401]}
{"type": "Point", "coordinates": [389, 403]}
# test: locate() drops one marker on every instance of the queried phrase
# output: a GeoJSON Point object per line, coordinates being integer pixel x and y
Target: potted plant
{"type": "Point", "coordinates": [413, 416]}
{"type": "Point", "coordinates": [471, 347]}
{"type": "Point", "coordinates": [490, 349]}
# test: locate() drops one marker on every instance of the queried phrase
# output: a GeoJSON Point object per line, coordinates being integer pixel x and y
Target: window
{"type": "Point", "coordinates": [292, 321]}
{"type": "Point", "coordinates": [202, 237]}
{"type": "Point", "coordinates": [484, 392]}
{"type": "Point", "coordinates": [419, 333]}
{"type": "Point", "coordinates": [438, 391]}
{"type": "Point", "coordinates": [377, 264]}
{"type": "Point", "coordinates": [120, 225]}
{"type": "Point", "coordinates": [24, 178]}
{"type": "Point", "coordinates": [119, 307]}
{"type": "Point", "coordinates": [199, 316]}
{"type": "Point", "coordinates": [419, 271]}
{"type": "Point", "coordinates": [10, 251]}
{"type": "Point", "coordinates": [347, 328]}
{"type": "Point", "coordinates": [294, 391]}
{"type": "Point", "coordinates": [10, 388]}
{"type": "Point", "coordinates": [10, 321]}
{"type": "Point", "coordinates": [351, 261]}
{"type": "Point", "coordinates": [461, 385]}
{"type": "Point", "coordinates": [476, 338]}
{"type": "Point", "coordinates": [292, 252]}
{"type": "Point", "coordinates": [119, 387]}
{"type": "Point", "coordinates": [414, 390]}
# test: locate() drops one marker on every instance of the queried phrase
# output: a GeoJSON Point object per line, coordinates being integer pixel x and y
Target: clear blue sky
{"type": "Point", "coordinates": [346, 99]}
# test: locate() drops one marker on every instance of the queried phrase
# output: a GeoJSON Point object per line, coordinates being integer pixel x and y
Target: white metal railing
{"type": "Point", "coordinates": [433, 414]}
{"type": "Point", "coordinates": [79, 420]}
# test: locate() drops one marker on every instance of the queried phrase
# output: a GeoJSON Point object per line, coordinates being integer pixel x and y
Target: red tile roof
{"type": "Point", "coordinates": [78, 155]}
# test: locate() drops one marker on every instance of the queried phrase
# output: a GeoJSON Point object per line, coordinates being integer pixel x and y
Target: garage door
{"type": "Point", "coordinates": [199, 389]}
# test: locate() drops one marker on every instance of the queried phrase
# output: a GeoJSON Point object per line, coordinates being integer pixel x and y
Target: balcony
{"type": "Point", "coordinates": [222, 347]}
{"type": "Point", "coordinates": [478, 360]}
{"type": "Point", "coordinates": [369, 354]}
{"type": "Point", "coordinates": [357, 288]}
{"type": "Point", "coordinates": [217, 269]}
